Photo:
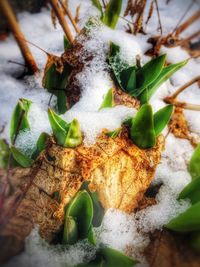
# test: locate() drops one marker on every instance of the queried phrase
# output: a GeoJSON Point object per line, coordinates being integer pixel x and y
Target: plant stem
{"type": "Point", "coordinates": [62, 20]}
{"type": "Point", "coordinates": [185, 86]}
{"type": "Point", "coordinates": [19, 36]}
{"type": "Point", "coordinates": [69, 14]}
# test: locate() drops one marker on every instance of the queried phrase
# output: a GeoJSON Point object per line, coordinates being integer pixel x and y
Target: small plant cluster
{"type": "Point", "coordinates": [66, 134]}
{"type": "Point", "coordinates": [80, 215]}
{"type": "Point", "coordinates": [188, 222]}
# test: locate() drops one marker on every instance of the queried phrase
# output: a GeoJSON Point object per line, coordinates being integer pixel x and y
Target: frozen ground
{"type": "Point", "coordinates": [95, 82]}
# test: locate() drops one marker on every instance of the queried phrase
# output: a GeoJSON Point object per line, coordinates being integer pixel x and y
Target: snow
{"type": "Point", "coordinates": [126, 232]}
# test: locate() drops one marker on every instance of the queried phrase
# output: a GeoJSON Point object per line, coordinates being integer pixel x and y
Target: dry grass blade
{"type": "Point", "coordinates": [150, 13]}
{"type": "Point", "coordinates": [53, 18]}
{"type": "Point", "coordinates": [76, 19]}
{"type": "Point", "coordinates": [67, 11]}
{"type": "Point", "coordinates": [19, 36]}
{"type": "Point", "coordinates": [187, 23]}
{"type": "Point", "coordinates": [159, 19]}
{"type": "Point", "coordinates": [60, 15]}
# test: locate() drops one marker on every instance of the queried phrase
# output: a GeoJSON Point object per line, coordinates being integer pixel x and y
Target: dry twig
{"type": "Point", "coordinates": [59, 14]}
{"type": "Point", "coordinates": [69, 14]}
{"type": "Point", "coordinates": [172, 99]}
{"type": "Point", "coordinates": [19, 36]}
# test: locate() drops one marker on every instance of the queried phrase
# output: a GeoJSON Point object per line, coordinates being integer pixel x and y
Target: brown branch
{"type": "Point", "coordinates": [19, 36]}
{"type": "Point", "coordinates": [69, 14]}
{"type": "Point", "coordinates": [185, 86]}
{"type": "Point", "coordinates": [172, 99]}
{"type": "Point", "coordinates": [180, 104]}
{"type": "Point", "coordinates": [182, 17]}
{"type": "Point", "coordinates": [59, 14]}
{"type": "Point", "coordinates": [187, 23]}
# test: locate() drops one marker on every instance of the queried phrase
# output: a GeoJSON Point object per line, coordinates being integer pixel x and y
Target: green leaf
{"type": "Point", "coordinates": [97, 4]}
{"type": "Point", "coordinates": [114, 133]}
{"type": "Point", "coordinates": [22, 159]}
{"type": "Point", "coordinates": [81, 209]}
{"type": "Point", "coordinates": [108, 257]}
{"type": "Point", "coordinates": [98, 210]}
{"type": "Point", "coordinates": [148, 74]}
{"type": "Point", "coordinates": [165, 74]}
{"type": "Point", "coordinates": [161, 118]}
{"type": "Point", "coordinates": [41, 144]}
{"type": "Point", "coordinates": [195, 241]}
{"type": "Point", "coordinates": [191, 191]}
{"type": "Point", "coordinates": [4, 154]}
{"type": "Point", "coordinates": [112, 13]}
{"type": "Point", "coordinates": [128, 79]}
{"type": "Point", "coordinates": [108, 101]}
{"type": "Point", "coordinates": [142, 128]}
{"type": "Point", "coordinates": [66, 134]}
{"type": "Point", "coordinates": [114, 49]}
{"type": "Point", "coordinates": [113, 258]}
{"type": "Point", "coordinates": [56, 82]}
{"type": "Point", "coordinates": [66, 42]}
{"type": "Point", "coordinates": [61, 101]}
{"type": "Point", "coordinates": [56, 125]}
{"type": "Point", "coordinates": [19, 120]}
{"type": "Point", "coordinates": [70, 233]}
{"type": "Point", "coordinates": [194, 165]}
{"type": "Point", "coordinates": [74, 136]}
{"type": "Point", "coordinates": [91, 236]}
{"type": "Point", "coordinates": [187, 221]}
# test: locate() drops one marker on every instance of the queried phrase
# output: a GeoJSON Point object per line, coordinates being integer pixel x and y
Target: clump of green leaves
{"type": "Point", "coordinates": [189, 221]}
{"type": "Point", "coordinates": [79, 217]}
{"type": "Point", "coordinates": [66, 134]}
{"type": "Point", "coordinates": [146, 126]}
{"type": "Point", "coordinates": [141, 82]}
{"type": "Point", "coordinates": [19, 122]}
{"type": "Point", "coordinates": [56, 78]}
{"type": "Point", "coordinates": [111, 14]}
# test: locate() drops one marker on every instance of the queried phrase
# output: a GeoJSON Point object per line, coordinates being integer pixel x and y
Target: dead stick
{"type": "Point", "coordinates": [62, 20]}
{"type": "Point", "coordinates": [182, 88]}
{"type": "Point", "coordinates": [19, 36]}
{"type": "Point", "coordinates": [159, 19]}
{"type": "Point", "coordinates": [180, 104]}
{"type": "Point", "coordinates": [69, 14]}
{"type": "Point", "coordinates": [188, 22]}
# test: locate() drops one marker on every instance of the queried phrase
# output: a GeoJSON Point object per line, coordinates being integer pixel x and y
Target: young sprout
{"type": "Point", "coordinates": [145, 126]}
{"type": "Point", "coordinates": [141, 82]}
{"type": "Point", "coordinates": [112, 12]}
{"type": "Point", "coordinates": [19, 120]}
{"type": "Point", "coordinates": [66, 134]}
{"type": "Point", "coordinates": [78, 218]}
{"type": "Point", "coordinates": [108, 101]}
{"type": "Point", "coordinates": [189, 221]}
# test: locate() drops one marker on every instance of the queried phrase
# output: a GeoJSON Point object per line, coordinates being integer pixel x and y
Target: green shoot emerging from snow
{"type": "Point", "coordinates": [145, 126]}
{"type": "Point", "coordinates": [112, 12]}
{"type": "Point", "coordinates": [189, 221]}
{"type": "Point", "coordinates": [66, 134]}
{"type": "Point", "coordinates": [141, 82]}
